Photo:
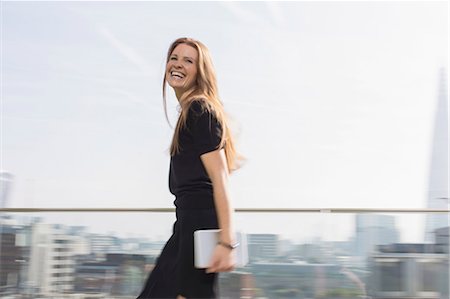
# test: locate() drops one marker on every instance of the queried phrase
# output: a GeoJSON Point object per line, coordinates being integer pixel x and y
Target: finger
{"type": "Point", "coordinates": [212, 268]}
{"type": "Point", "coordinates": [219, 267]}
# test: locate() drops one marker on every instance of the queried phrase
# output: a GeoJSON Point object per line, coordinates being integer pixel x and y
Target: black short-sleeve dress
{"type": "Point", "coordinates": [174, 273]}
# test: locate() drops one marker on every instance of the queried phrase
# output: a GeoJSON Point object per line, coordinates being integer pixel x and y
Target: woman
{"type": "Point", "coordinates": [202, 156]}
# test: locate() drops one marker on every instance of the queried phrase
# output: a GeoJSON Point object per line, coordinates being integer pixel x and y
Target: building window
{"type": "Point", "coordinates": [429, 272]}
{"type": "Point", "coordinates": [392, 275]}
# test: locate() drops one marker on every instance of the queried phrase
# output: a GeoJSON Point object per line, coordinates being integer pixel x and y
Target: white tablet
{"type": "Point", "coordinates": [206, 240]}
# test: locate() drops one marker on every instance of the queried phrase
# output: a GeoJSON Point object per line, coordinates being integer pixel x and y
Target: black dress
{"type": "Point", "coordinates": [174, 273]}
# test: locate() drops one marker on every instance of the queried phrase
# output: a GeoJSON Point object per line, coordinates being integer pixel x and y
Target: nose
{"type": "Point", "coordinates": [177, 64]}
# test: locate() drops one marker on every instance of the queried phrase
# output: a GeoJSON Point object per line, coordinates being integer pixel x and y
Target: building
{"type": "Point", "coordinates": [305, 280]}
{"type": "Point", "coordinates": [262, 247]}
{"type": "Point", "coordinates": [438, 197]}
{"type": "Point", "coordinates": [103, 243]}
{"type": "Point", "coordinates": [373, 230]}
{"type": "Point", "coordinates": [414, 271]}
{"type": "Point", "coordinates": [13, 256]}
{"type": "Point", "coordinates": [6, 180]}
{"type": "Point", "coordinates": [52, 258]}
{"type": "Point", "coordinates": [442, 237]}
{"type": "Point", "coordinates": [115, 274]}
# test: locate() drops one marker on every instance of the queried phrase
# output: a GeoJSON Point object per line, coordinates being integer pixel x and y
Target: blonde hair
{"type": "Point", "coordinates": [205, 90]}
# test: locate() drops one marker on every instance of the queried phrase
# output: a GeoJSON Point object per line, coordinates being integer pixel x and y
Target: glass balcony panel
{"type": "Point", "coordinates": [292, 255]}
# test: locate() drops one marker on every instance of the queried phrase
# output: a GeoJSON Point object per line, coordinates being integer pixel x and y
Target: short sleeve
{"type": "Point", "coordinates": [205, 128]}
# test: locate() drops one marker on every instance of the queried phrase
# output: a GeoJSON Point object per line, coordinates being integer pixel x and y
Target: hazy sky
{"type": "Point", "coordinates": [333, 102]}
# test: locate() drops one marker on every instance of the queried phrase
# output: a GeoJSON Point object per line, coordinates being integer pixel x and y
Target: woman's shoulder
{"type": "Point", "coordinates": [198, 107]}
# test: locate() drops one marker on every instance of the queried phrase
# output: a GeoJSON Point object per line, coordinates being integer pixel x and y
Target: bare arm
{"type": "Point", "coordinates": [216, 166]}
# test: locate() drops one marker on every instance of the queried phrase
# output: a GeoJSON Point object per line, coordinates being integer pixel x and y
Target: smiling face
{"type": "Point", "coordinates": [181, 68]}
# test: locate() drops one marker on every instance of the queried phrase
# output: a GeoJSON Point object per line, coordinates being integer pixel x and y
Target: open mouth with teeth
{"type": "Point", "coordinates": [176, 74]}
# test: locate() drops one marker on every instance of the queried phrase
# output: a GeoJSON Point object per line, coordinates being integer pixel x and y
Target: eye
{"type": "Point", "coordinates": [173, 58]}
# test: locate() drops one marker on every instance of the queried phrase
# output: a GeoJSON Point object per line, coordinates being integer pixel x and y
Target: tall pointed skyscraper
{"type": "Point", "coordinates": [438, 197]}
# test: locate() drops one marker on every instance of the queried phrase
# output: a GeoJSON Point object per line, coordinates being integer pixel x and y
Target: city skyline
{"type": "Point", "coordinates": [45, 259]}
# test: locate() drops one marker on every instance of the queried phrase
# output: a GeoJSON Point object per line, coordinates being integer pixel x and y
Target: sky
{"type": "Point", "coordinates": [332, 103]}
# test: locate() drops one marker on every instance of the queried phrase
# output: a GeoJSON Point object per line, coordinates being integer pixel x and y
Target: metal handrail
{"type": "Point", "coordinates": [238, 210]}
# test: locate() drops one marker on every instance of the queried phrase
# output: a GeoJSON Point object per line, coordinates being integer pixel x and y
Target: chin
{"type": "Point", "coordinates": [174, 85]}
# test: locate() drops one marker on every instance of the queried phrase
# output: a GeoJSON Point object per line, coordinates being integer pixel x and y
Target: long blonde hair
{"type": "Point", "coordinates": [204, 89]}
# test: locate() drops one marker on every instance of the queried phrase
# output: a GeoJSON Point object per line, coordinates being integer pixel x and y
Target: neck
{"type": "Point", "coordinates": [179, 93]}
{"type": "Point", "coordinates": [182, 93]}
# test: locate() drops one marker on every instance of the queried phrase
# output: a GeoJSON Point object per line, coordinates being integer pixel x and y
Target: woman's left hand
{"type": "Point", "coordinates": [223, 260]}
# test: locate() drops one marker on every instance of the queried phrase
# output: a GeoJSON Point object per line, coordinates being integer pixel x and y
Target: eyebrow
{"type": "Point", "coordinates": [184, 56]}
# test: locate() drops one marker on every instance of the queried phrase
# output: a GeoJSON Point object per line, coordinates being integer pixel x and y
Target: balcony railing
{"type": "Point", "coordinates": [238, 210]}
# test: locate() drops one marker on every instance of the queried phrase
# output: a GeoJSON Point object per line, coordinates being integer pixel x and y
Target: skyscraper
{"type": "Point", "coordinates": [438, 197]}
{"type": "Point", "coordinates": [373, 230]}
{"type": "Point", "coordinates": [6, 179]}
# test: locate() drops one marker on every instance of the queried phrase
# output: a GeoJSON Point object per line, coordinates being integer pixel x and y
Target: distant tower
{"type": "Point", "coordinates": [373, 230]}
{"type": "Point", "coordinates": [438, 179]}
{"type": "Point", "coordinates": [6, 179]}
